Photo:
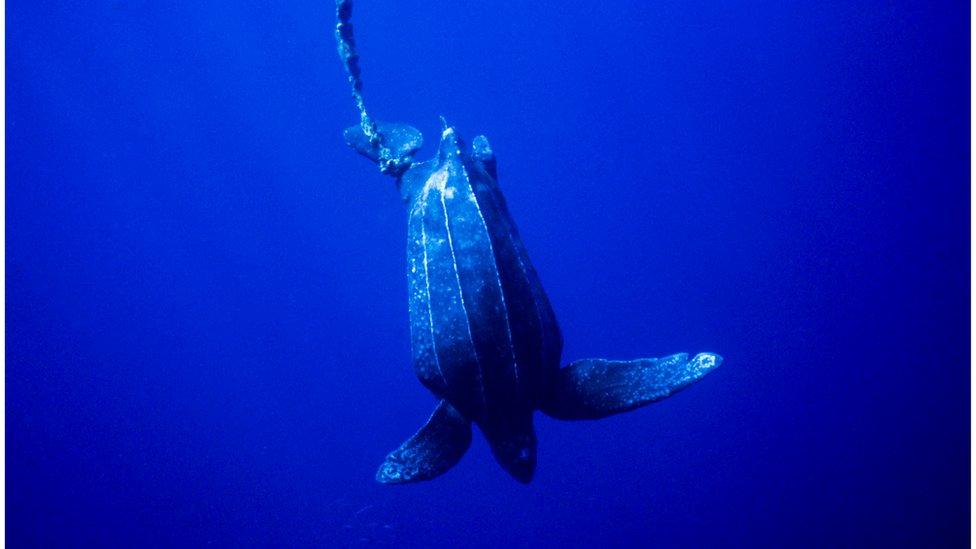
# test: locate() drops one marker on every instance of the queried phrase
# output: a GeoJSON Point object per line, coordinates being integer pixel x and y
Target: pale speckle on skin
{"type": "Point", "coordinates": [438, 181]}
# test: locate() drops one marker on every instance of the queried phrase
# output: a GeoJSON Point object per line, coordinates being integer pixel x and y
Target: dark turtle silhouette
{"type": "Point", "coordinates": [484, 337]}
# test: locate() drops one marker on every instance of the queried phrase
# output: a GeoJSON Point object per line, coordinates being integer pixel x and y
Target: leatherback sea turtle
{"type": "Point", "coordinates": [485, 340]}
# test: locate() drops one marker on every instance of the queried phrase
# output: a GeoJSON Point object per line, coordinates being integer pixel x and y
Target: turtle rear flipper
{"type": "Point", "coordinates": [436, 447]}
{"type": "Point", "coordinates": [482, 152]}
{"type": "Point", "coordinates": [394, 150]}
{"type": "Point", "coordinates": [596, 388]}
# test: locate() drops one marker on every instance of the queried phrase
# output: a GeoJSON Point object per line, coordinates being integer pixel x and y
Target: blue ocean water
{"type": "Point", "coordinates": [207, 338]}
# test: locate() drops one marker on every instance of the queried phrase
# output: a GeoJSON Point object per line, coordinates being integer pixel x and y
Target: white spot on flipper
{"type": "Point", "coordinates": [704, 362]}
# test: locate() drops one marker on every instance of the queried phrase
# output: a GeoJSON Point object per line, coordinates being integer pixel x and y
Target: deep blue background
{"type": "Point", "coordinates": [206, 302]}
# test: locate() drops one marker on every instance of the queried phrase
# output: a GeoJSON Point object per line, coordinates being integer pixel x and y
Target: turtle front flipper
{"type": "Point", "coordinates": [597, 388]}
{"type": "Point", "coordinates": [436, 447]}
